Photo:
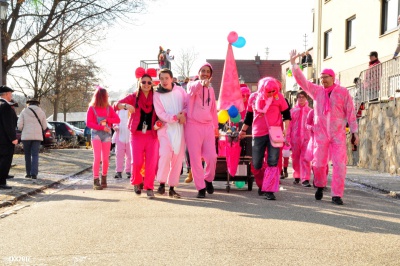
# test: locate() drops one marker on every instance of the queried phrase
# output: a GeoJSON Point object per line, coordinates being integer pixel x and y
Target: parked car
{"type": "Point", "coordinates": [79, 133]}
{"type": "Point", "coordinates": [63, 130]}
{"type": "Point", "coordinates": [49, 136]}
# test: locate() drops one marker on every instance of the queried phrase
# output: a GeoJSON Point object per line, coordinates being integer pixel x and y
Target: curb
{"type": "Point", "coordinates": [37, 190]}
{"type": "Point", "coordinates": [393, 194]}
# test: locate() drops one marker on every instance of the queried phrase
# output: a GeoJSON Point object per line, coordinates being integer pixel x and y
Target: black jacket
{"type": "Point", "coordinates": [8, 124]}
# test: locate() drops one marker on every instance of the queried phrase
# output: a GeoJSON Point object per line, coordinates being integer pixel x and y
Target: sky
{"type": "Point", "coordinates": [204, 27]}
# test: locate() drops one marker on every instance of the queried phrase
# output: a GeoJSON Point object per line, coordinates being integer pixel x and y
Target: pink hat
{"type": "Point", "coordinates": [209, 65]}
{"type": "Point", "coordinates": [329, 72]}
{"type": "Point", "coordinates": [244, 89]}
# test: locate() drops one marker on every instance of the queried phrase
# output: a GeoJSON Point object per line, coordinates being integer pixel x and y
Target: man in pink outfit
{"type": "Point", "coordinates": [298, 137]}
{"type": "Point", "coordinates": [171, 108]}
{"type": "Point", "coordinates": [333, 108]}
{"type": "Point", "coordinates": [200, 130]}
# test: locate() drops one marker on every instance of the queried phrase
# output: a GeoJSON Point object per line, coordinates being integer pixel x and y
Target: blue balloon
{"type": "Point", "coordinates": [240, 42]}
{"type": "Point", "coordinates": [233, 111]}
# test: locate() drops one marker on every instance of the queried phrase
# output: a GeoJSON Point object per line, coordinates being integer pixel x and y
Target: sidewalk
{"type": "Point", "coordinates": [57, 165]}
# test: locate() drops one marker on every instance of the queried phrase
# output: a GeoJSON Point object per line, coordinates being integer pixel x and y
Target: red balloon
{"type": "Point", "coordinates": [232, 37]}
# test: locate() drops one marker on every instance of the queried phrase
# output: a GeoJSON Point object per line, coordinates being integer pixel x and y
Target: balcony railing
{"type": "Point", "coordinates": [378, 83]}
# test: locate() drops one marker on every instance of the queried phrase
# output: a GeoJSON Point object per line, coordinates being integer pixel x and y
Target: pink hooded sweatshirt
{"type": "Point", "coordinates": [331, 113]}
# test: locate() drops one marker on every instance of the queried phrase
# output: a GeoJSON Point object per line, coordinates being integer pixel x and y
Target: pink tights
{"type": "Point", "coordinates": [101, 152]}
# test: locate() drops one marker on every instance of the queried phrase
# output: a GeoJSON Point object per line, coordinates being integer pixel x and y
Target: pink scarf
{"type": "Point", "coordinates": [259, 99]}
{"type": "Point", "coordinates": [327, 104]}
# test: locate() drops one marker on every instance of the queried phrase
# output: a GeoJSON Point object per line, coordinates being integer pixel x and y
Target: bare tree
{"type": "Point", "coordinates": [77, 14]}
{"type": "Point", "coordinates": [184, 61]}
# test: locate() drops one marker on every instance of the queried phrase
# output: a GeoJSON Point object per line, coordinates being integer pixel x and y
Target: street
{"type": "Point", "coordinates": [71, 224]}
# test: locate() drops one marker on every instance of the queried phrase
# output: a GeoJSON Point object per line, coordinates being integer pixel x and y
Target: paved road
{"type": "Point", "coordinates": [71, 224]}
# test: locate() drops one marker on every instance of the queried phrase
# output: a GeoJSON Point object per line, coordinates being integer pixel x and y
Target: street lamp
{"type": "Point", "coordinates": [3, 16]}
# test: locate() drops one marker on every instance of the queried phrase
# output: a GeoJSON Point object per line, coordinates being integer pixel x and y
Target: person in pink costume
{"type": "Point", "coordinates": [200, 130]}
{"type": "Point", "coordinates": [298, 137]}
{"type": "Point", "coordinates": [143, 136]}
{"type": "Point", "coordinates": [285, 155]}
{"type": "Point", "coordinates": [333, 108]}
{"type": "Point", "coordinates": [266, 104]}
{"type": "Point", "coordinates": [170, 103]}
{"type": "Point", "coordinates": [122, 143]}
{"type": "Point", "coordinates": [100, 117]}
{"type": "Point", "coordinates": [245, 95]}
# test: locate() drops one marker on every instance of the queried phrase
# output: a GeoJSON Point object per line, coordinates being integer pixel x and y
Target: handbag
{"type": "Point", "coordinates": [275, 135]}
{"type": "Point", "coordinates": [41, 127]}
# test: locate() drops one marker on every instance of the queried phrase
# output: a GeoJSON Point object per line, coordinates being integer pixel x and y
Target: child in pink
{"type": "Point", "coordinates": [298, 137]}
{"type": "Point", "coordinates": [100, 117]}
{"type": "Point", "coordinates": [122, 145]}
{"type": "Point", "coordinates": [267, 107]}
{"type": "Point", "coordinates": [171, 107]}
{"type": "Point", "coordinates": [200, 130]}
{"type": "Point", "coordinates": [143, 137]}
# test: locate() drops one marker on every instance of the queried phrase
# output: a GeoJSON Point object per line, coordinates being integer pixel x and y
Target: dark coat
{"type": "Point", "coordinates": [8, 124]}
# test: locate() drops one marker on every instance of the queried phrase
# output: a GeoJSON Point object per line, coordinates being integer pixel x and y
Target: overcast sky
{"type": "Point", "coordinates": [204, 26]}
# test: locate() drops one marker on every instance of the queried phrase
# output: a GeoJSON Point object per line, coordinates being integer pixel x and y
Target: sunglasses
{"type": "Point", "coordinates": [270, 91]}
{"type": "Point", "coordinates": [148, 82]}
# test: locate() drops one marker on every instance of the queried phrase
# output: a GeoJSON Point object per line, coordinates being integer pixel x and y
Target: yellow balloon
{"type": "Point", "coordinates": [223, 116]}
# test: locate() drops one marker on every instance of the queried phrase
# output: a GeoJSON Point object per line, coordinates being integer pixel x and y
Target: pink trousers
{"type": "Point", "coordinates": [123, 155]}
{"type": "Point", "coordinates": [101, 152]}
{"type": "Point", "coordinates": [169, 163]}
{"type": "Point", "coordinates": [200, 141]}
{"type": "Point", "coordinates": [145, 151]}
{"type": "Point", "coordinates": [301, 167]}
{"type": "Point", "coordinates": [339, 170]}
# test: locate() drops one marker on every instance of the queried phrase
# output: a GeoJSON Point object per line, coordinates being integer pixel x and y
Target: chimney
{"type": "Point", "coordinates": [257, 59]}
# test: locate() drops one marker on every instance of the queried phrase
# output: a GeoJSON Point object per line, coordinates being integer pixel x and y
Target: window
{"type": "Point", "coordinates": [390, 12]}
{"type": "Point", "coordinates": [327, 44]}
{"type": "Point", "coordinates": [350, 40]}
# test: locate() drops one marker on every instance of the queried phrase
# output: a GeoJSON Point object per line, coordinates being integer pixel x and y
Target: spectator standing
{"type": "Point", "coordinates": [298, 137]}
{"type": "Point", "coordinates": [161, 58]}
{"type": "Point", "coordinates": [200, 130]}
{"type": "Point", "coordinates": [143, 137]}
{"type": "Point", "coordinates": [100, 117]}
{"type": "Point", "coordinates": [8, 136]}
{"type": "Point", "coordinates": [373, 59]}
{"type": "Point", "coordinates": [267, 107]}
{"type": "Point", "coordinates": [333, 109]}
{"type": "Point", "coordinates": [170, 103]}
{"type": "Point", "coordinates": [32, 121]}
{"type": "Point", "coordinates": [168, 59]}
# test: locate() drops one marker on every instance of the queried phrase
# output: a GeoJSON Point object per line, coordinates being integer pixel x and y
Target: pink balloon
{"type": "Point", "coordinates": [232, 37]}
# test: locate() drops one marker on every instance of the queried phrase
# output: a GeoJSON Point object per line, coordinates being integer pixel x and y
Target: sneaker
{"type": "Point", "coordinates": [209, 187]}
{"type": "Point", "coordinates": [172, 194]}
{"type": "Point", "coordinates": [270, 196]}
{"type": "Point", "coordinates": [306, 183]}
{"type": "Point", "coordinates": [296, 181]}
{"type": "Point", "coordinates": [150, 194]}
{"type": "Point", "coordinates": [118, 175]}
{"type": "Point", "coordinates": [161, 190]}
{"type": "Point", "coordinates": [34, 176]}
{"type": "Point", "coordinates": [27, 176]}
{"type": "Point", "coordinates": [137, 190]}
{"type": "Point", "coordinates": [128, 175]}
{"type": "Point", "coordinates": [202, 193]}
{"type": "Point", "coordinates": [261, 193]}
{"type": "Point", "coordinates": [319, 194]}
{"type": "Point", "coordinates": [337, 200]}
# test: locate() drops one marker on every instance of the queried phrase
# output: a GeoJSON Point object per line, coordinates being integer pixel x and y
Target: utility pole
{"type": "Point", "coordinates": [266, 53]}
{"type": "Point", "coordinates": [305, 42]}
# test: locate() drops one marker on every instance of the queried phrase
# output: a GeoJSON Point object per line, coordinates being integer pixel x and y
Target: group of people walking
{"type": "Point", "coordinates": [162, 123]}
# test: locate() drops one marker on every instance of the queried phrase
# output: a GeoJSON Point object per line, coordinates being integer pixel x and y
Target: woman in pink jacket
{"type": "Point", "coordinates": [143, 137]}
{"type": "Point", "coordinates": [171, 106]}
{"type": "Point", "coordinates": [298, 137]}
{"type": "Point", "coordinates": [333, 108]}
{"type": "Point", "coordinates": [200, 130]}
{"type": "Point", "coordinates": [267, 107]}
{"type": "Point", "coordinates": [100, 117]}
